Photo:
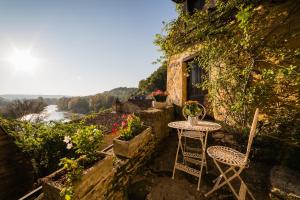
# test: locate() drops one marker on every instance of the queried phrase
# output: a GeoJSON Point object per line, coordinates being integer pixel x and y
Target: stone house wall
{"type": "Point", "coordinates": [177, 79]}
{"type": "Point", "coordinates": [177, 76]}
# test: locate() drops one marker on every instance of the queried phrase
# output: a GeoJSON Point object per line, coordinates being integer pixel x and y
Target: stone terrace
{"type": "Point", "coordinates": [147, 176]}
{"type": "Point", "coordinates": [154, 182]}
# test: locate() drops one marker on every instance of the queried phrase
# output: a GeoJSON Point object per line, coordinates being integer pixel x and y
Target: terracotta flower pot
{"type": "Point", "coordinates": [128, 149]}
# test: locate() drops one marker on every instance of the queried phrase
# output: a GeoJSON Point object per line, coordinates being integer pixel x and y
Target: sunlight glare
{"type": "Point", "coordinates": [23, 60]}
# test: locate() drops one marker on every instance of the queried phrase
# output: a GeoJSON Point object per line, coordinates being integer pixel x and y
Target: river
{"type": "Point", "coordinates": [50, 113]}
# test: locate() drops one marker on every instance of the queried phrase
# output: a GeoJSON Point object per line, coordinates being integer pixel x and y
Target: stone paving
{"type": "Point", "coordinates": [154, 181]}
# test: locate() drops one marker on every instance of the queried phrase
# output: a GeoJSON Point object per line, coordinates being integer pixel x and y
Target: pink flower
{"type": "Point", "coordinates": [124, 123]}
{"type": "Point", "coordinates": [124, 116]}
{"type": "Point", "coordinates": [115, 124]}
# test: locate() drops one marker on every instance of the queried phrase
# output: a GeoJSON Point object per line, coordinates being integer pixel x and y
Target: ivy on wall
{"type": "Point", "coordinates": [252, 54]}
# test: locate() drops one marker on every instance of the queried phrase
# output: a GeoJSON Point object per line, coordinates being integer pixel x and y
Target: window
{"type": "Point", "coordinates": [196, 76]}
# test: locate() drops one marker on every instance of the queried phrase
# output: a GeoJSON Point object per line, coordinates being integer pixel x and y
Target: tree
{"type": "Point", "coordinates": [79, 105]}
{"type": "Point", "coordinates": [157, 80]}
{"type": "Point", "coordinates": [19, 108]}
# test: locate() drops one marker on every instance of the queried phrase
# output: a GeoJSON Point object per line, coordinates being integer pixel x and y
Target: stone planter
{"type": "Point", "coordinates": [192, 120]}
{"type": "Point", "coordinates": [92, 182]}
{"type": "Point", "coordinates": [159, 105]}
{"type": "Point", "coordinates": [127, 149]}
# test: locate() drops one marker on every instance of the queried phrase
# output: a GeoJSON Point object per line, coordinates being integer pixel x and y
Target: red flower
{"type": "Point", "coordinates": [158, 93]}
{"type": "Point", "coordinates": [124, 116]}
{"type": "Point", "coordinates": [114, 130]}
{"type": "Point", "coordinates": [115, 124]}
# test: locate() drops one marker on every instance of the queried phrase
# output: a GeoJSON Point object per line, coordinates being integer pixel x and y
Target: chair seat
{"type": "Point", "coordinates": [193, 134]}
{"type": "Point", "coordinates": [227, 155]}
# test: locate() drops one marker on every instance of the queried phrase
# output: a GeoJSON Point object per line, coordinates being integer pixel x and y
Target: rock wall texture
{"type": "Point", "coordinates": [16, 173]}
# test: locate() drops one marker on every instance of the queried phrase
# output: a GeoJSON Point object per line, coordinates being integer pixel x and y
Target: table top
{"type": "Point", "coordinates": [200, 126]}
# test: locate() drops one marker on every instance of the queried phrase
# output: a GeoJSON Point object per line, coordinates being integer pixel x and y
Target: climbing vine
{"type": "Point", "coordinates": [248, 51]}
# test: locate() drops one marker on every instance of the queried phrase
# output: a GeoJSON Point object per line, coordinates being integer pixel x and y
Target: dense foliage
{"type": "Point", "coordinates": [251, 51]}
{"type": "Point", "coordinates": [46, 143]}
{"type": "Point", "coordinates": [156, 81]}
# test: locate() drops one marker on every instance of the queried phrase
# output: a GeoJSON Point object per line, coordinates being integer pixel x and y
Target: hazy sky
{"type": "Point", "coordinates": [78, 47]}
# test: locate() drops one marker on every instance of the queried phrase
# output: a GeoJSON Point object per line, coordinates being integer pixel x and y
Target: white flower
{"type": "Point", "coordinates": [67, 139]}
{"type": "Point", "coordinates": [91, 139]}
{"type": "Point", "coordinates": [69, 145]}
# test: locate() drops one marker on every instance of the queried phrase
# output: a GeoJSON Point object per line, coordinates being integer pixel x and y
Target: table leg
{"type": "Point", "coordinates": [203, 160]}
{"type": "Point", "coordinates": [178, 146]}
{"type": "Point", "coordinates": [204, 151]}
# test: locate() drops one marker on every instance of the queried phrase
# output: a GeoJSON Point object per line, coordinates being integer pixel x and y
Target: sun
{"type": "Point", "coordinates": [23, 60]}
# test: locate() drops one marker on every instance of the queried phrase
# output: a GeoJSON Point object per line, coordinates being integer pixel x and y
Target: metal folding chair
{"type": "Point", "coordinates": [236, 161]}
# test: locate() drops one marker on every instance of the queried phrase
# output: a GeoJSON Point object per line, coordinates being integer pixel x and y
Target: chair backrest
{"type": "Point", "coordinates": [200, 117]}
{"type": "Point", "coordinates": [252, 133]}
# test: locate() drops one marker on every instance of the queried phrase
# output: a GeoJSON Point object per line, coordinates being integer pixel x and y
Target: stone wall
{"type": "Point", "coordinates": [109, 178]}
{"type": "Point", "coordinates": [16, 172]}
{"type": "Point", "coordinates": [158, 119]}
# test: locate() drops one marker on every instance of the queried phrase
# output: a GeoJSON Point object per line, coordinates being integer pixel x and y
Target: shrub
{"type": "Point", "coordinates": [46, 143]}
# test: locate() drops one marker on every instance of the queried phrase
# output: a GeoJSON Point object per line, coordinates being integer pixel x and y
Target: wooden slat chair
{"type": "Point", "coordinates": [190, 154]}
{"type": "Point", "coordinates": [236, 161]}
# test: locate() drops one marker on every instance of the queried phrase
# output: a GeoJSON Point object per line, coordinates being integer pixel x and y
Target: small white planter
{"type": "Point", "coordinates": [159, 105]}
{"type": "Point", "coordinates": [193, 120]}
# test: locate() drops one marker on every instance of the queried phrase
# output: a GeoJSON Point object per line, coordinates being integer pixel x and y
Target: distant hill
{"type": "Point", "coordinates": [95, 103]}
{"type": "Point", "coordinates": [123, 93]}
{"type": "Point", "coordinates": [11, 97]}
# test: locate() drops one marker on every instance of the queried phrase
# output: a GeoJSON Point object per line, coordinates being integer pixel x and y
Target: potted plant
{"type": "Point", "coordinates": [159, 99]}
{"type": "Point", "coordinates": [192, 110]}
{"type": "Point", "coordinates": [133, 134]}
